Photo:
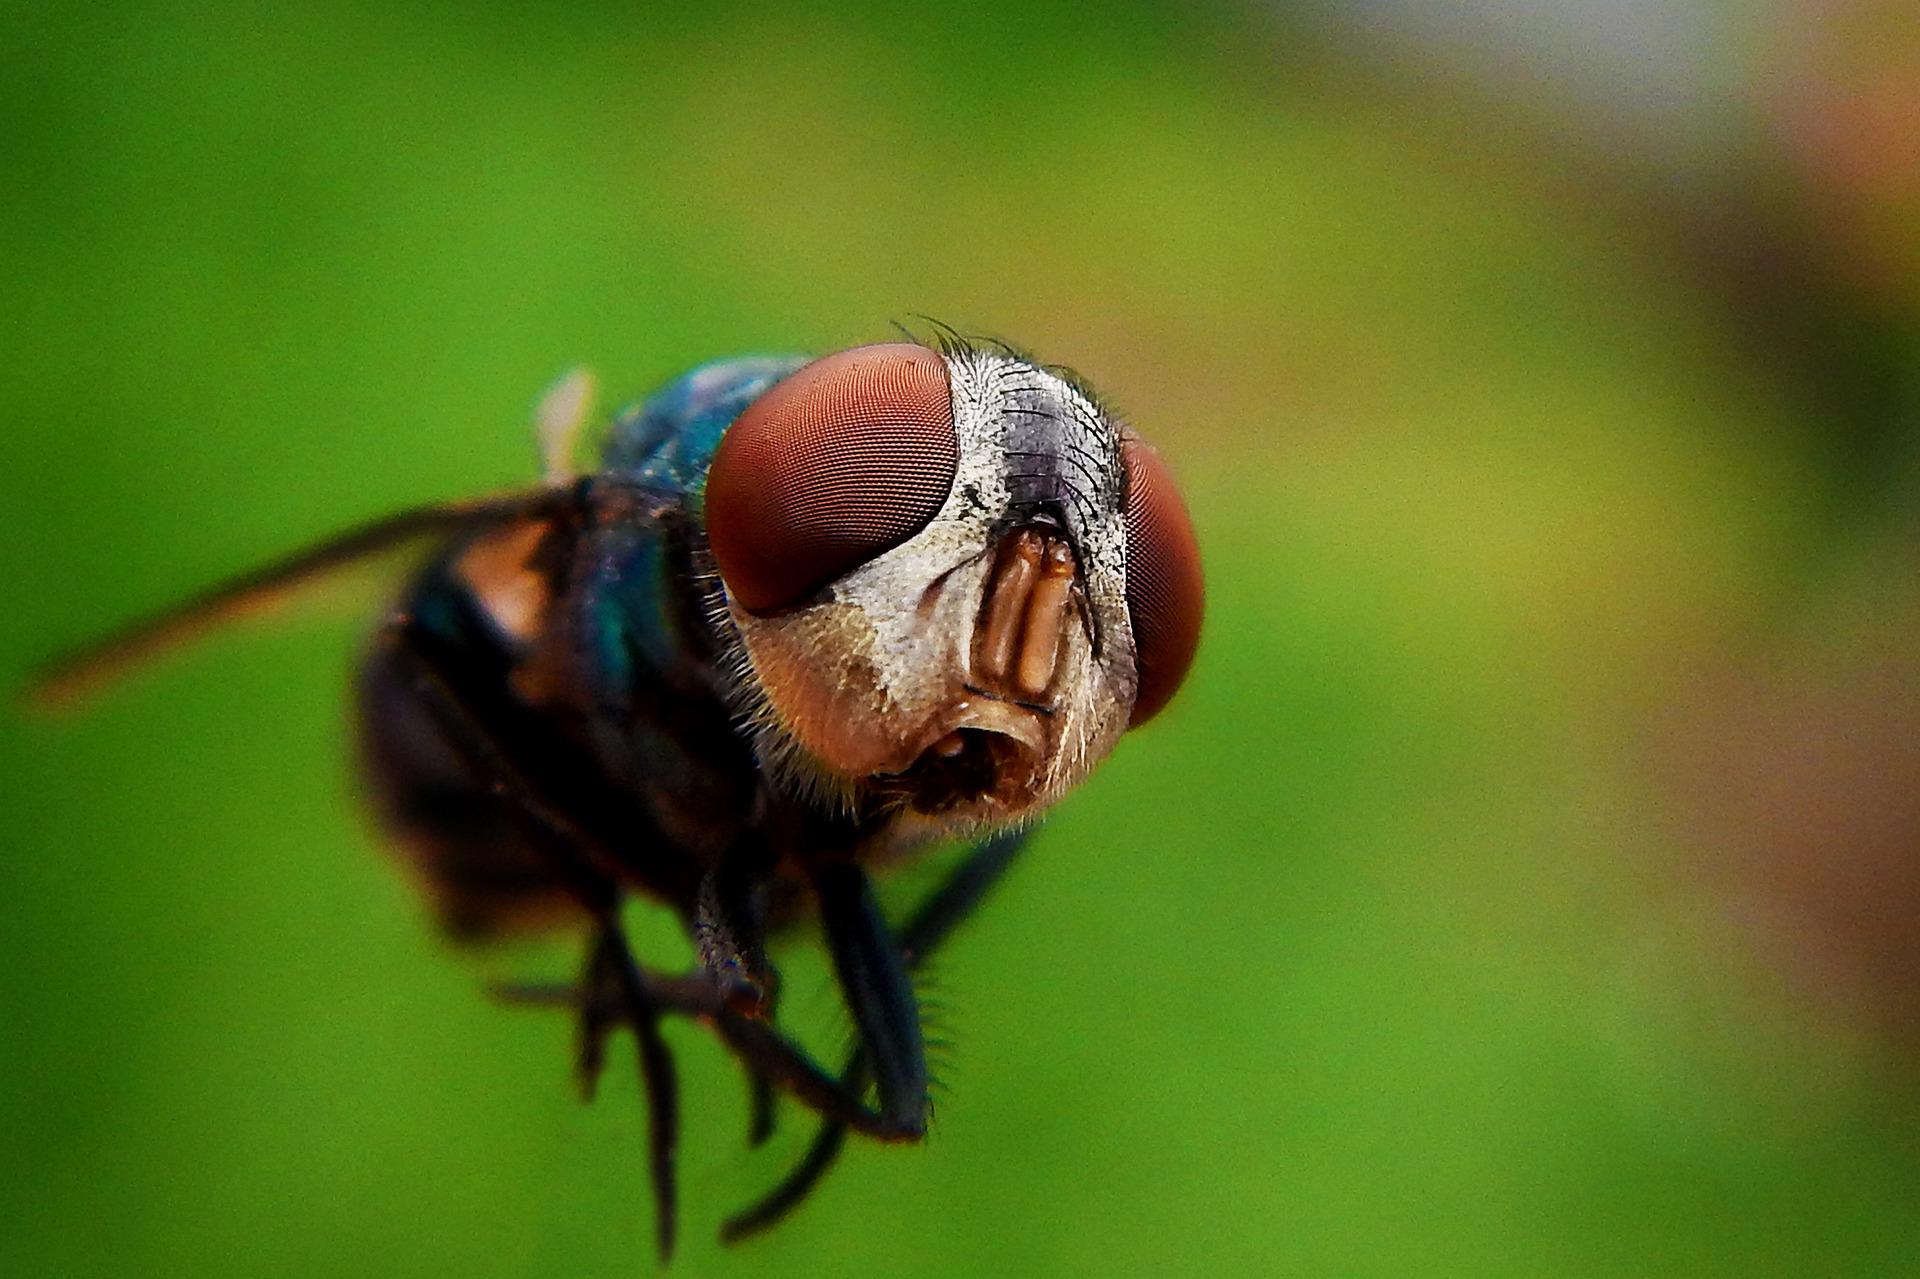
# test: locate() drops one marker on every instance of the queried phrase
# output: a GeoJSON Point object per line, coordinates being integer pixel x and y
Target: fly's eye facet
{"type": "Point", "coordinates": [845, 459]}
{"type": "Point", "coordinates": [1164, 590]}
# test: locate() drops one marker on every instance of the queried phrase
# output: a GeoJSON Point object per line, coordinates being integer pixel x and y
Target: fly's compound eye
{"type": "Point", "coordinates": [1164, 590]}
{"type": "Point", "coordinates": [845, 459]}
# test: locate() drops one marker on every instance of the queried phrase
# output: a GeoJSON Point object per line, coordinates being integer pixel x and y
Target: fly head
{"type": "Point", "coordinates": [951, 578]}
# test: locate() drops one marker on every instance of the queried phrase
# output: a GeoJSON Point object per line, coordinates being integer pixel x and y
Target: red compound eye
{"type": "Point", "coordinates": [847, 458]}
{"type": "Point", "coordinates": [1165, 595]}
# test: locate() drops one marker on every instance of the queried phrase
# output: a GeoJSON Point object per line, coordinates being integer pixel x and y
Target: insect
{"type": "Point", "coordinates": [803, 618]}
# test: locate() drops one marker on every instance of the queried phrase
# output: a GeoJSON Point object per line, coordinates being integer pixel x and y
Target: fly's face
{"type": "Point", "coordinates": [954, 580]}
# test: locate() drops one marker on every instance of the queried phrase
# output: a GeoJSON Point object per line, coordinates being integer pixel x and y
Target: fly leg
{"type": "Point", "coordinates": [767, 1055]}
{"type": "Point", "coordinates": [729, 935]}
{"type": "Point", "coordinates": [730, 930]}
{"type": "Point", "coordinates": [873, 975]}
{"type": "Point", "coordinates": [872, 971]}
{"type": "Point", "coordinates": [762, 1109]}
{"type": "Point", "coordinates": [614, 987]}
{"type": "Point", "coordinates": [611, 960]}
{"type": "Point", "coordinates": [872, 964]}
{"type": "Point", "coordinates": [929, 927]}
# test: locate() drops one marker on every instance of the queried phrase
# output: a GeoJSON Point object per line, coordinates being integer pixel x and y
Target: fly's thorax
{"type": "Point", "coordinates": [977, 670]}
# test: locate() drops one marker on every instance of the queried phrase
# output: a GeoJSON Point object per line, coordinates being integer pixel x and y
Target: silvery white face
{"type": "Point", "coordinates": [982, 661]}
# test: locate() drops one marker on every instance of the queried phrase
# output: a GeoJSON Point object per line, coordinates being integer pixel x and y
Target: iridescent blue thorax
{"type": "Point", "coordinates": [644, 617]}
{"type": "Point", "coordinates": [668, 439]}
{"type": "Point", "coordinates": [641, 598]}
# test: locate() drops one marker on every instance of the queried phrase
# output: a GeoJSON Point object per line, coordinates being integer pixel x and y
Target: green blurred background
{"type": "Point", "coordinates": [1529, 880]}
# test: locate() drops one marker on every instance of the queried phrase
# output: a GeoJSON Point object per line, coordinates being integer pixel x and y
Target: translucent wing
{"type": "Point", "coordinates": [76, 674]}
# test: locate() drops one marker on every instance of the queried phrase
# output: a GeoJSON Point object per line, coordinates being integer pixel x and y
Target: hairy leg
{"type": "Point", "coordinates": [928, 928]}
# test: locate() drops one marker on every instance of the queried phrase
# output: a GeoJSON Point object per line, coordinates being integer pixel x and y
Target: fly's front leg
{"type": "Point", "coordinates": [729, 936]}
{"type": "Point", "coordinates": [873, 976]}
{"type": "Point", "coordinates": [928, 928]}
{"type": "Point", "coordinates": [762, 1109]}
{"type": "Point", "coordinates": [730, 930]}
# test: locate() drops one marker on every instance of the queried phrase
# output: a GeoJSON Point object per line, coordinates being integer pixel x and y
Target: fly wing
{"type": "Point", "coordinates": [72, 676]}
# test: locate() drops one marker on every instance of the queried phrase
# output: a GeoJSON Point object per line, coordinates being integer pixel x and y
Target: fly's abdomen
{"type": "Point", "coordinates": [477, 862]}
{"type": "Point", "coordinates": [455, 651]}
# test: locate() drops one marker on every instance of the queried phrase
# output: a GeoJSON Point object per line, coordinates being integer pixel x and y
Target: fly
{"type": "Point", "coordinates": [806, 616]}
